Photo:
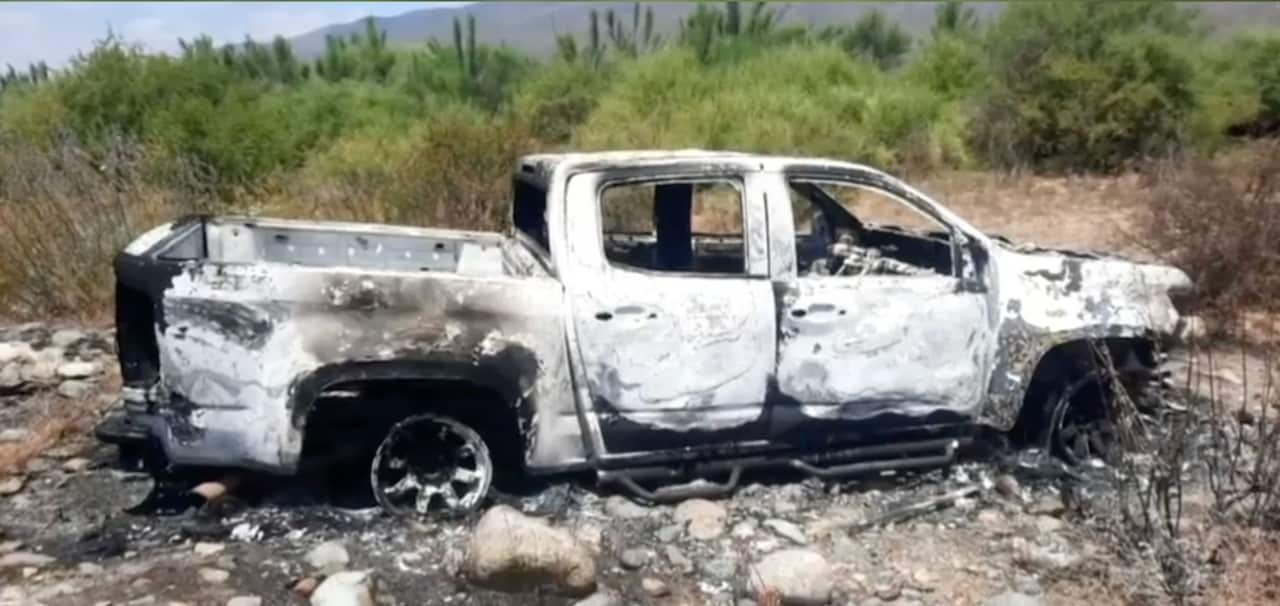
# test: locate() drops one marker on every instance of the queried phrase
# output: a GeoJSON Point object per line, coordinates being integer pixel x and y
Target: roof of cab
{"type": "Point", "coordinates": [541, 166]}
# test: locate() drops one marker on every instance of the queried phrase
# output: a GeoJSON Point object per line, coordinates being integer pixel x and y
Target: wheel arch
{"type": "Point", "coordinates": [488, 401]}
{"type": "Point", "coordinates": [1069, 361]}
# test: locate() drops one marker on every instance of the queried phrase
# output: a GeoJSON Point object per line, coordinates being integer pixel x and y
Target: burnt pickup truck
{"type": "Point", "coordinates": [654, 317]}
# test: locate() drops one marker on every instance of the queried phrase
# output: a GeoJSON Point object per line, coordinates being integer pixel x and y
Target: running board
{"type": "Point", "coordinates": [879, 458]}
{"type": "Point", "coordinates": [946, 457]}
{"type": "Point", "coordinates": [697, 489]}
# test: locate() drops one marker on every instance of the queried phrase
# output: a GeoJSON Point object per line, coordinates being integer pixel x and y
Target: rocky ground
{"type": "Point", "coordinates": [998, 529]}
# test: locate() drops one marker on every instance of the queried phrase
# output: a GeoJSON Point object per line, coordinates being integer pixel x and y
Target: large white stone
{"type": "Point", "coordinates": [510, 551]}
{"type": "Point", "coordinates": [802, 577]}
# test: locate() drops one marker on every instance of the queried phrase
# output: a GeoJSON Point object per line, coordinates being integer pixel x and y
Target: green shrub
{"type": "Point", "coordinates": [798, 99]}
{"type": "Point", "coordinates": [450, 169]}
{"type": "Point", "coordinates": [952, 65]}
{"type": "Point", "coordinates": [32, 114]}
{"type": "Point", "coordinates": [1088, 85]}
{"type": "Point", "coordinates": [559, 97]}
{"type": "Point", "coordinates": [1255, 56]}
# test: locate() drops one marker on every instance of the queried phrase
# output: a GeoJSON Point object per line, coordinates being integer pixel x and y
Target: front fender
{"type": "Point", "coordinates": [1046, 300]}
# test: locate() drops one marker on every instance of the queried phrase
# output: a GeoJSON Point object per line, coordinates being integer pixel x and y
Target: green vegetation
{"type": "Point", "coordinates": [1047, 86]}
{"type": "Point", "coordinates": [374, 131]}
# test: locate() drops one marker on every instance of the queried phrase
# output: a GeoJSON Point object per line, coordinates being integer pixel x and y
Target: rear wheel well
{"type": "Point", "coordinates": [350, 419]}
{"type": "Point", "coordinates": [1069, 363]}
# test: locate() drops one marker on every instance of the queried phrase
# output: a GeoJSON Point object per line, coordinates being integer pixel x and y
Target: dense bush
{"type": "Point", "coordinates": [1254, 54]}
{"type": "Point", "coordinates": [1087, 85]}
{"type": "Point", "coordinates": [797, 99]}
{"type": "Point", "coordinates": [556, 100]}
{"type": "Point", "coordinates": [451, 170]}
{"type": "Point", "coordinates": [950, 64]}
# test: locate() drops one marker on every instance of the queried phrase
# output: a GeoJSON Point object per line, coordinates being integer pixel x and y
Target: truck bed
{"type": "Point", "coordinates": [240, 240]}
{"type": "Point", "coordinates": [231, 322]}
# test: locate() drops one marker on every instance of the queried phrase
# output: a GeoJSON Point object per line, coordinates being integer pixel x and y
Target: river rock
{"type": "Point", "coordinates": [75, 389]}
{"type": "Point", "coordinates": [24, 559]}
{"type": "Point", "coordinates": [510, 551]}
{"type": "Point", "coordinates": [16, 351]}
{"type": "Point", "coordinates": [654, 587]}
{"type": "Point", "coordinates": [634, 558]}
{"type": "Point", "coordinates": [802, 577]}
{"type": "Point", "coordinates": [600, 598]}
{"type": "Point", "coordinates": [214, 576]}
{"type": "Point", "coordinates": [11, 375]}
{"type": "Point", "coordinates": [349, 588]}
{"type": "Point", "coordinates": [12, 485]}
{"type": "Point", "coordinates": [705, 519]}
{"type": "Point", "coordinates": [66, 337]}
{"type": "Point", "coordinates": [1013, 599]}
{"type": "Point", "coordinates": [787, 530]}
{"type": "Point", "coordinates": [78, 370]}
{"type": "Point", "coordinates": [622, 507]}
{"type": "Point", "coordinates": [328, 557]}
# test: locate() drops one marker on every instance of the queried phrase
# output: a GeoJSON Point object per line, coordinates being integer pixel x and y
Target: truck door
{"type": "Point", "coordinates": [673, 313]}
{"type": "Point", "coordinates": [882, 318]}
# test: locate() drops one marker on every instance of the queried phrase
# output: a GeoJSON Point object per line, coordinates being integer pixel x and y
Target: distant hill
{"type": "Point", "coordinates": [532, 26]}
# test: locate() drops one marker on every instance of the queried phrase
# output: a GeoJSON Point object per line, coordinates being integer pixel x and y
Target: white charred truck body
{"type": "Point", "coordinates": [612, 329]}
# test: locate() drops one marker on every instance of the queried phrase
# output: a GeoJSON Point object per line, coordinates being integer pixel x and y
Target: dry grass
{"type": "Point", "coordinates": [1096, 213]}
{"type": "Point", "coordinates": [1220, 221]}
{"type": "Point", "coordinates": [65, 214]}
{"type": "Point", "coordinates": [58, 419]}
{"type": "Point", "coordinates": [456, 174]}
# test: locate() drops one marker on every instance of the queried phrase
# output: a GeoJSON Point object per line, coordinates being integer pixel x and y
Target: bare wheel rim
{"type": "Point", "coordinates": [431, 466]}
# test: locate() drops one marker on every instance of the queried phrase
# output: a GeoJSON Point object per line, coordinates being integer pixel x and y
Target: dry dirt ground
{"type": "Point", "coordinates": [77, 528]}
{"type": "Point", "coordinates": [1088, 212]}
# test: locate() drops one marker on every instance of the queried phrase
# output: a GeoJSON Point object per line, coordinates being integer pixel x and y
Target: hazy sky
{"type": "Point", "coordinates": [55, 31]}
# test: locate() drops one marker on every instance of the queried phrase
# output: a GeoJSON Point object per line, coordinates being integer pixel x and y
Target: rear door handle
{"type": "Point", "coordinates": [604, 316]}
{"type": "Point", "coordinates": [816, 308]}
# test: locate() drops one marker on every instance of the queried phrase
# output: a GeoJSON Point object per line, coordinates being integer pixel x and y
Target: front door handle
{"type": "Point", "coordinates": [627, 310]}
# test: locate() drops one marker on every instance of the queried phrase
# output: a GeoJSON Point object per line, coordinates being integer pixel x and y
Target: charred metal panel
{"type": "Point", "coordinates": [859, 346]}
{"type": "Point", "coordinates": [759, 216]}
{"type": "Point", "coordinates": [854, 348]}
{"type": "Point", "coordinates": [676, 352]}
{"type": "Point", "coordinates": [240, 336]}
{"type": "Point", "coordinates": [1047, 298]}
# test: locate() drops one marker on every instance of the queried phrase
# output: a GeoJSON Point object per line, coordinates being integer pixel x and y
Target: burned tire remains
{"type": "Point", "coordinates": [431, 466]}
{"type": "Point", "coordinates": [1102, 412]}
{"type": "Point", "coordinates": [1081, 426]}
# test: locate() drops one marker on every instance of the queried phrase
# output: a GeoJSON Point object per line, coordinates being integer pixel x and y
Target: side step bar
{"type": "Point", "coordinates": [886, 457]}
{"type": "Point", "coordinates": [697, 489]}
